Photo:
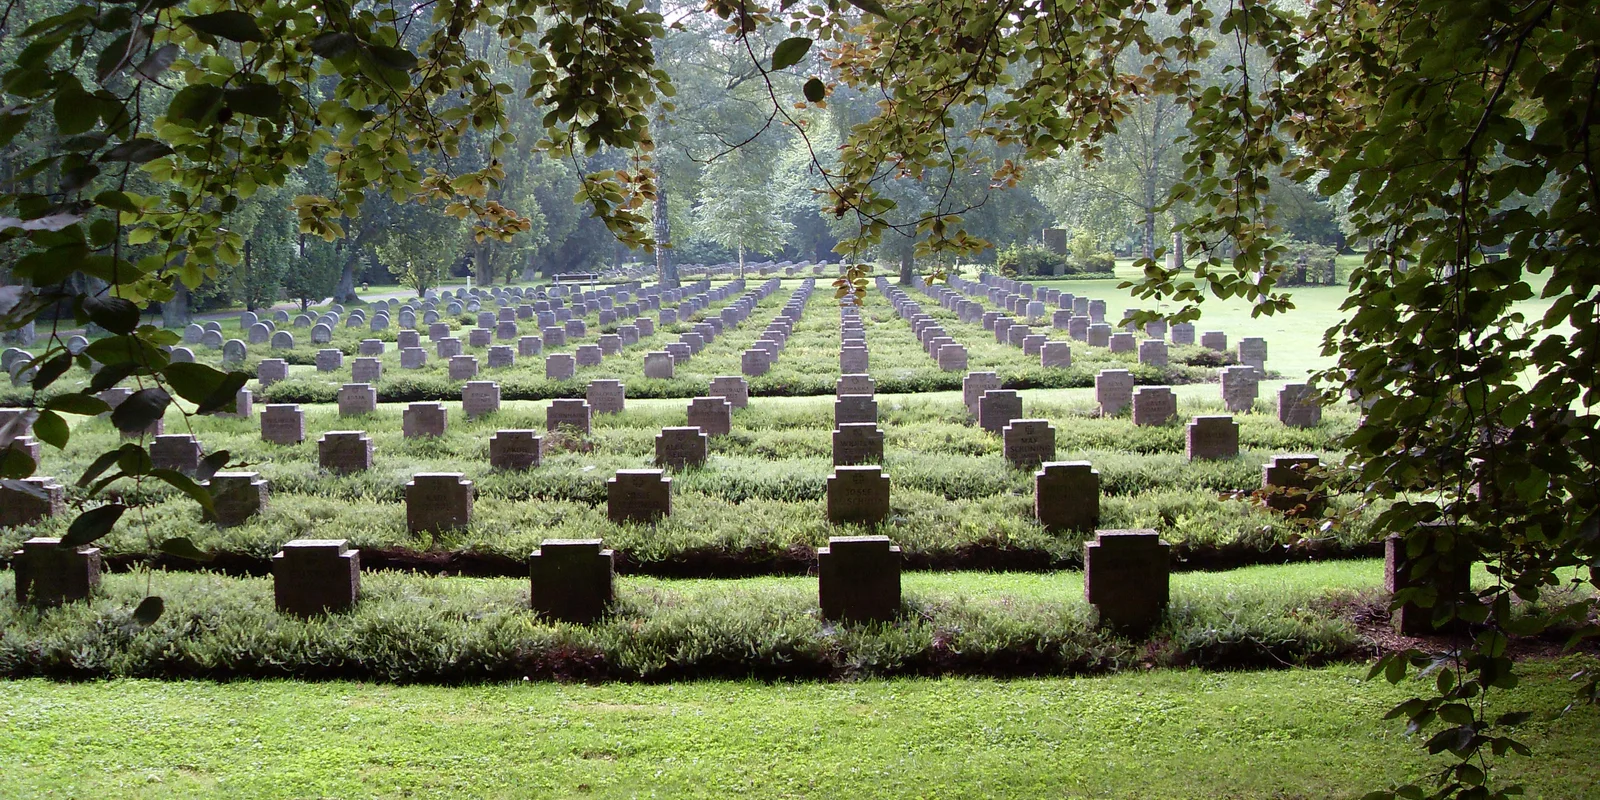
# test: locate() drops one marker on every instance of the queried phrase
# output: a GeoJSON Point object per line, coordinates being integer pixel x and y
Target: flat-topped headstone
{"type": "Point", "coordinates": [1099, 335]}
{"type": "Point", "coordinates": [283, 423]}
{"type": "Point", "coordinates": [952, 358]}
{"type": "Point", "coordinates": [356, 399]}
{"type": "Point", "coordinates": [1291, 484]}
{"type": "Point", "coordinates": [855, 408]}
{"type": "Point", "coordinates": [755, 362]}
{"type": "Point", "coordinates": [1066, 496]}
{"type": "Point", "coordinates": [515, 449]}
{"type": "Point", "coordinates": [1113, 390]}
{"type": "Point", "coordinates": [49, 575]}
{"type": "Point", "coordinates": [1211, 438]}
{"type": "Point", "coordinates": [1122, 343]}
{"type": "Point", "coordinates": [30, 501]}
{"type": "Point", "coordinates": [311, 577]}
{"type": "Point", "coordinates": [589, 355]}
{"type": "Point", "coordinates": [731, 388]}
{"type": "Point", "coordinates": [438, 501]}
{"type": "Point", "coordinates": [1029, 442]}
{"type": "Point", "coordinates": [858, 494]}
{"type": "Point", "coordinates": [480, 398]}
{"type": "Point", "coordinates": [1126, 577]}
{"type": "Point", "coordinates": [345, 452]}
{"type": "Point", "coordinates": [638, 496]}
{"type": "Point", "coordinates": [1153, 352]}
{"type": "Point", "coordinates": [607, 396]}
{"type": "Point", "coordinates": [1240, 386]}
{"type": "Point", "coordinates": [682, 447]}
{"type": "Point", "coordinates": [413, 358]}
{"type": "Point", "coordinates": [1253, 353]}
{"type": "Point", "coordinates": [714, 415]}
{"type": "Point", "coordinates": [853, 360]}
{"type": "Point", "coordinates": [858, 579]}
{"type": "Point", "coordinates": [1299, 406]}
{"type": "Point", "coordinates": [997, 408]}
{"type": "Point", "coordinates": [857, 443]}
{"type": "Point", "coordinates": [424, 419]}
{"type": "Point", "coordinates": [370, 347]}
{"type": "Point", "coordinates": [179, 452]}
{"type": "Point", "coordinates": [366, 370]}
{"type": "Point", "coordinates": [974, 386]}
{"type": "Point", "coordinates": [236, 497]}
{"type": "Point", "coordinates": [559, 366]}
{"type": "Point", "coordinates": [529, 346]}
{"type": "Point", "coordinates": [448, 347]}
{"type": "Point", "coordinates": [568, 413]}
{"type": "Point", "coordinates": [1154, 405]}
{"type": "Point", "coordinates": [1214, 340]}
{"type": "Point", "coordinates": [571, 580]}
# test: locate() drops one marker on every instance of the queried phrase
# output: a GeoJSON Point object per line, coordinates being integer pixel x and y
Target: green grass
{"type": "Point", "coordinates": [1166, 734]}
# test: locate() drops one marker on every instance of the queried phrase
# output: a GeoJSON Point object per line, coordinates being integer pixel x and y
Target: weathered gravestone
{"type": "Point", "coordinates": [1154, 405]}
{"type": "Point", "coordinates": [370, 347]}
{"type": "Point", "coordinates": [236, 497]}
{"type": "Point", "coordinates": [179, 452]}
{"type": "Point", "coordinates": [424, 419]}
{"type": "Point", "coordinates": [1253, 353]}
{"type": "Point", "coordinates": [857, 443]}
{"type": "Point", "coordinates": [568, 413]}
{"type": "Point", "coordinates": [714, 415]}
{"type": "Point", "coordinates": [559, 367]}
{"type": "Point", "coordinates": [272, 370]}
{"type": "Point", "coordinates": [311, 577]}
{"type": "Point", "coordinates": [858, 494]}
{"type": "Point", "coordinates": [515, 449]}
{"type": "Point", "coordinates": [731, 388]}
{"type": "Point", "coordinates": [1240, 386]}
{"type": "Point", "coordinates": [852, 360]}
{"type": "Point", "coordinates": [1211, 438]}
{"type": "Point", "coordinates": [1029, 442]}
{"type": "Point", "coordinates": [997, 408]}
{"type": "Point", "coordinates": [658, 364]}
{"type": "Point", "coordinates": [1122, 343]}
{"type": "Point", "coordinates": [1446, 573]}
{"type": "Point", "coordinates": [1126, 577]}
{"type": "Point", "coordinates": [1153, 352]}
{"type": "Point", "coordinates": [1299, 406]}
{"type": "Point", "coordinates": [858, 579]}
{"type": "Point", "coordinates": [855, 408]}
{"type": "Point", "coordinates": [529, 346]}
{"type": "Point", "coordinates": [480, 398]}
{"type": "Point", "coordinates": [49, 575]}
{"type": "Point", "coordinates": [329, 360]}
{"type": "Point", "coordinates": [345, 452]}
{"type": "Point", "coordinates": [607, 396]}
{"type": "Point", "coordinates": [1055, 355]}
{"type": "Point", "coordinates": [638, 495]}
{"type": "Point", "coordinates": [1182, 333]}
{"type": "Point", "coordinates": [233, 352]}
{"type": "Point", "coordinates": [973, 387]}
{"type": "Point", "coordinates": [463, 368]}
{"type": "Point", "coordinates": [356, 399]}
{"type": "Point", "coordinates": [283, 424]}
{"type": "Point", "coordinates": [571, 580]}
{"type": "Point", "coordinates": [855, 384]}
{"type": "Point", "coordinates": [366, 370]}
{"type": "Point", "coordinates": [30, 501]}
{"type": "Point", "coordinates": [438, 501]}
{"type": "Point", "coordinates": [754, 362]}
{"type": "Point", "coordinates": [1214, 340]}
{"type": "Point", "coordinates": [1066, 496]}
{"type": "Point", "coordinates": [413, 358]}
{"type": "Point", "coordinates": [679, 448]}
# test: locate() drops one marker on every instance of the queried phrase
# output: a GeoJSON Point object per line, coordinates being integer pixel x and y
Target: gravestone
{"type": "Point", "coordinates": [1113, 390]}
{"type": "Point", "coordinates": [345, 452]}
{"type": "Point", "coordinates": [731, 388]}
{"type": "Point", "coordinates": [501, 356]}
{"type": "Point", "coordinates": [855, 384]}
{"type": "Point", "coordinates": [1211, 438]}
{"type": "Point", "coordinates": [236, 497]}
{"type": "Point", "coordinates": [271, 370]}
{"type": "Point", "coordinates": [554, 336]}
{"type": "Point", "coordinates": [1153, 352]}
{"type": "Point", "coordinates": [529, 346]}
{"type": "Point", "coordinates": [1066, 496]}
{"type": "Point", "coordinates": [424, 419]}
{"type": "Point", "coordinates": [179, 452]}
{"type": "Point", "coordinates": [311, 577]}
{"type": "Point", "coordinates": [447, 348]}
{"type": "Point", "coordinates": [1290, 484]}
{"type": "Point", "coordinates": [1299, 406]}
{"type": "Point", "coordinates": [321, 333]}
{"type": "Point", "coordinates": [638, 496]}
{"type": "Point", "coordinates": [567, 413]}
{"type": "Point", "coordinates": [974, 386]}
{"type": "Point", "coordinates": [658, 364]}
{"type": "Point", "coordinates": [356, 399]}
{"type": "Point", "coordinates": [858, 579]}
{"type": "Point", "coordinates": [997, 408]}
{"type": "Point", "coordinates": [858, 494]}
{"type": "Point", "coordinates": [1182, 333]}
{"type": "Point", "coordinates": [366, 370]}
{"type": "Point", "coordinates": [49, 575]}
{"type": "Point", "coordinates": [589, 355]}
{"type": "Point", "coordinates": [714, 415]}
{"type": "Point", "coordinates": [852, 360]}
{"type": "Point", "coordinates": [480, 398]}
{"type": "Point", "coordinates": [283, 424]}
{"type": "Point", "coordinates": [283, 340]}
{"type": "Point", "coordinates": [413, 358]}
{"type": "Point", "coordinates": [370, 347]}
{"type": "Point", "coordinates": [1448, 575]}
{"type": "Point", "coordinates": [1029, 442]}
{"type": "Point", "coordinates": [31, 502]}
{"type": "Point", "coordinates": [192, 334]}
{"type": "Point", "coordinates": [1240, 385]}
{"type": "Point", "coordinates": [257, 334]}
{"type": "Point", "coordinates": [1055, 355]}
{"type": "Point", "coordinates": [678, 448]}
{"type": "Point", "coordinates": [754, 362]}
{"type": "Point", "coordinates": [438, 501]}
{"type": "Point", "coordinates": [571, 580]}
{"type": "Point", "coordinates": [607, 397]}
{"type": "Point", "coordinates": [233, 352]}
{"type": "Point", "coordinates": [559, 367]}
{"type": "Point", "coordinates": [1078, 328]}
{"type": "Point", "coordinates": [857, 443]}
{"type": "Point", "coordinates": [515, 449]}
{"type": "Point", "coordinates": [855, 408]}
{"type": "Point", "coordinates": [1253, 353]}
{"type": "Point", "coordinates": [463, 368]}
{"type": "Point", "coordinates": [952, 358]}
{"type": "Point", "coordinates": [1214, 340]}
{"type": "Point", "coordinates": [329, 360]}
{"type": "Point", "coordinates": [182, 355]}
{"type": "Point", "coordinates": [1154, 405]}
{"type": "Point", "coordinates": [1121, 343]}
{"type": "Point", "coordinates": [1126, 577]}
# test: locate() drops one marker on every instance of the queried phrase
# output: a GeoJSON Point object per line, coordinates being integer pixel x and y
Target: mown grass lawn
{"type": "Point", "coordinates": [1165, 734]}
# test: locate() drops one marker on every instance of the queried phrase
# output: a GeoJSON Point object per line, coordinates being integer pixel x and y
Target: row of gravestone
{"type": "Point", "coordinates": [950, 355]}
{"type": "Point", "coordinates": [758, 359]}
{"type": "Point", "coordinates": [1126, 578]}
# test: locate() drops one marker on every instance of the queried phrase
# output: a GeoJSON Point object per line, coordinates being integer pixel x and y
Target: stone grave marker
{"type": "Point", "coordinates": [858, 494]}
{"type": "Point", "coordinates": [855, 408]}
{"type": "Point", "coordinates": [858, 579]}
{"type": "Point", "coordinates": [179, 452]}
{"type": "Point", "coordinates": [311, 577]}
{"type": "Point", "coordinates": [480, 398]}
{"type": "Point", "coordinates": [424, 419]}
{"type": "Point", "coordinates": [1214, 340]}
{"type": "Point", "coordinates": [1299, 406]}
{"type": "Point", "coordinates": [1113, 390]}
{"type": "Point", "coordinates": [952, 358]}
{"type": "Point", "coordinates": [678, 448]}
{"type": "Point", "coordinates": [1253, 353]}
{"type": "Point", "coordinates": [356, 399]}
{"type": "Point", "coordinates": [366, 370]}
{"type": "Point", "coordinates": [1448, 575]}
{"type": "Point", "coordinates": [852, 360]}
{"type": "Point", "coordinates": [638, 496]}
{"type": "Point", "coordinates": [370, 347]}
{"type": "Point", "coordinates": [731, 388]}
{"type": "Point", "coordinates": [569, 413]}
{"type": "Point", "coordinates": [1153, 352]}
{"type": "Point", "coordinates": [1126, 577]}
{"type": "Point", "coordinates": [345, 452]}
{"type": "Point", "coordinates": [997, 408]}
{"type": "Point", "coordinates": [854, 384]}
{"type": "Point", "coordinates": [271, 370]}
{"type": "Point", "coordinates": [571, 580]}
{"type": "Point", "coordinates": [607, 396]}
{"type": "Point", "coordinates": [1029, 442]}
{"type": "Point", "coordinates": [559, 366]}
{"type": "Point", "coordinates": [1240, 386]}
{"type": "Point", "coordinates": [283, 423]}
{"type": "Point", "coordinates": [236, 496]}
{"type": "Point", "coordinates": [1211, 438]}
{"type": "Point", "coordinates": [463, 368]}
{"type": "Point", "coordinates": [438, 501]}
{"type": "Point", "coordinates": [714, 415]}
{"type": "Point", "coordinates": [413, 358]}
{"type": "Point", "coordinates": [49, 575]}
{"type": "Point", "coordinates": [1290, 484]}
{"type": "Point", "coordinates": [974, 386]}
{"type": "Point", "coordinates": [589, 355]}
{"type": "Point", "coordinates": [1182, 333]}
{"type": "Point", "coordinates": [857, 443]}
{"type": "Point", "coordinates": [233, 352]}
{"type": "Point", "coordinates": [42, 498]}
{"type": "Point", "coordinates": [1154, 405]}
{"type": "Point", "coordinates": [515, 449]}
{"type": "Point", "coordinates": [1066, 496]}
{"type": "Point", "coordinates": [329, 360]}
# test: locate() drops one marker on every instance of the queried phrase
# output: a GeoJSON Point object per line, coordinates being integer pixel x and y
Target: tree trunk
{"type": "Point", "coordinates": [1149, 233]}
{"type": "Point", "coordinates": [907, 267]}
{"type": "Point", "coordinates": [741, 262]}
{"type": "Point", "coordinates": [175, 312]}
{"type": "Point", "coordinates": [345, 292]}
{"type": "Point", "coordinates": [249, 286]}
{"type": "Point", "coordinates": [1177, 250]}
{"type": "Point", "coordinates": [666, 271]}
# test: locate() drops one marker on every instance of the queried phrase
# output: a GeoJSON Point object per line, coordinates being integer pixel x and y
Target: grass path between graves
{"type": "Point", "coordinates": [1167, 734]}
